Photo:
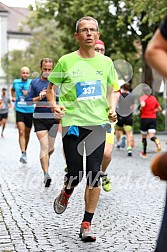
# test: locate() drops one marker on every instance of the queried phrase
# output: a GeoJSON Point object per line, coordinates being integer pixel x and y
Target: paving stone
{"type": "Point", "coordinates": [127, 218]}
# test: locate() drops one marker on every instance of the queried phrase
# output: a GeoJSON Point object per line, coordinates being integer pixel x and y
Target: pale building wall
{"type": "Point", "coordinates": [3, 42]}
{"type": "Point", "coordinates": [17, 42]}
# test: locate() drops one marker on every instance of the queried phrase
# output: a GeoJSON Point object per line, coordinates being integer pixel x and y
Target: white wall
{"type": "Point", "coordinates": [3, 39]}
{"type": "Point", "coordinates": [17, 42]}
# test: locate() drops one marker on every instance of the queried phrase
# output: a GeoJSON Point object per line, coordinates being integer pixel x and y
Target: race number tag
{"type": "Point", "coordinates": [88, 90]}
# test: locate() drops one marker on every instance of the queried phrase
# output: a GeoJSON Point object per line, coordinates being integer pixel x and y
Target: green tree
{"type": "Point", "coordinates": [122, 22]}
{"type": "Point", "coordinates": [140, 19]}
{"type": "Point", "coordinates": [45, 42]}
{"type": "Point", "coordinates": [125, 26]}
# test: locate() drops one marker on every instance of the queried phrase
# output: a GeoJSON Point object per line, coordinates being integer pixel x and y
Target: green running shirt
{"type": "Point", "coordinates": [83, 88]}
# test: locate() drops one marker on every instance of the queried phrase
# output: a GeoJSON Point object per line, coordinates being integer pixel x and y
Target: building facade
{"type": "Point", "coordinates": [14, 34]}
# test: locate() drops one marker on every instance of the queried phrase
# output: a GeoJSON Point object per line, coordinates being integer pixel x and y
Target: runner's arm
{"type": "Point", "coordinates": [156, 53]}
{"type": "Point", "coordinates": [13, 94]}
{"type": "Point", "coordinates": [112, 98]}
{"type": "Point", "coordinates": [59, 111]}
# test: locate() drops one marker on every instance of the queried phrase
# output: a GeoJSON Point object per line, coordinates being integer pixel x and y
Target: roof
{"type": "Point", "coordinates": [2, 9]}
{"type": "Point", "coordinates": [16, 15]}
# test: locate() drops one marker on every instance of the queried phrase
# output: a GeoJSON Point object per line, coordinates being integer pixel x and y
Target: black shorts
{"type": "Point", "coordinates": [51, 125]}
{"type": "Point", "coordinates": [147, 124]}
{"type": "Point", "coordinates": [124, 121]}
{"type": "Point", "coordinates": [26, 118]}
{"type": "Point", "coordinates": [3, 116]}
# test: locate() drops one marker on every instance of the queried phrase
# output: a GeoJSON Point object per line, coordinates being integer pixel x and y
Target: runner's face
{"type": "Point", "coordinates": [46, 69]}
{"type": "Point", "coordinates": [100, 48]}
{"type": "Point", "coordinates": [87, 33]}
{"type": "Point", "coordinates": [24, 73]}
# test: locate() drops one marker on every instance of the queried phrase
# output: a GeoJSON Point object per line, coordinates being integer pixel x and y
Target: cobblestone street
{"type": "Point", "coordinates": [127, 218]}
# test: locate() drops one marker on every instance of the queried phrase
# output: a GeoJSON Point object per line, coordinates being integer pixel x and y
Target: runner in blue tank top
{"type": "Point", "coordinates": [23, 112]}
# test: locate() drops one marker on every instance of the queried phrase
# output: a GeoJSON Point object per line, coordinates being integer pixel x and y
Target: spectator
{"type": "Point", "coordinates": [156, 56]}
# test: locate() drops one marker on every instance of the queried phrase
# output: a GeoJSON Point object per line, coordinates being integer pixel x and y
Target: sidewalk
{"type": "Point", "coordinates": [127, 218]}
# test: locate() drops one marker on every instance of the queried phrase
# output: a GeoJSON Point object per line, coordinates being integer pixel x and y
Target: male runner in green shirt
{"type": "Point", "coordinates": [86, 106]}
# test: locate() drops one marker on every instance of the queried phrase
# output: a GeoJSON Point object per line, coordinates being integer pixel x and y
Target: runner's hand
{"type": "Point", "coordinates": [42, 94]}
{"type": "Point", "coordinates": [112, 115]}
{"type": "Point", "coordinates": [59, 112]}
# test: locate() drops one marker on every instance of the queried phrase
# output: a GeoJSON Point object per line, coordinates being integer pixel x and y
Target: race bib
{"type": "Point", "coordinates": [88, 90]}
{"type": "Point", "coordinates": [22, 102]}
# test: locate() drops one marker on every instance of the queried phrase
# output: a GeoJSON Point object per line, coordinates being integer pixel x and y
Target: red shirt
{"type": "Point", "coordinates": [151, 103]}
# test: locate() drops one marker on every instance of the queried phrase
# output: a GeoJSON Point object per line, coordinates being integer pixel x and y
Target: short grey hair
{"type": "Point", "coordinates": [147, 90]}
{"type": "Point", "coordinates": [86, 18]}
